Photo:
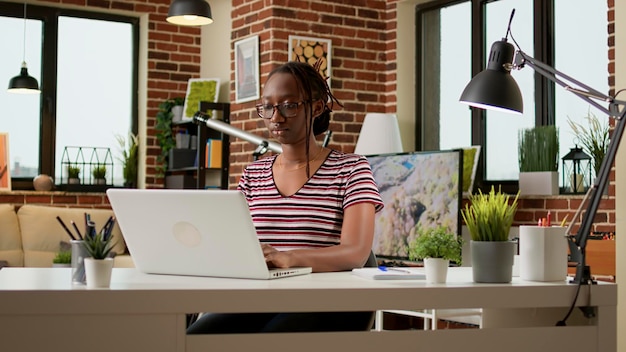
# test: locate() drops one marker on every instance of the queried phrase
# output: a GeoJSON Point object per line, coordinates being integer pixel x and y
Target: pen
{"type": "Point", "coordinates": [384, 268]}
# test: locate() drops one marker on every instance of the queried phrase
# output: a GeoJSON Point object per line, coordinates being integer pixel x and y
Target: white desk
{"type": "Point", "coordinates": [41, 310]}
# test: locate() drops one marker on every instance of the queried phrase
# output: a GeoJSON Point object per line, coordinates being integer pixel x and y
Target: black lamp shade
{"type": "Point", "coordinates": [190, 13]}
{"type": "Point", "coordinates": [494, 88]}
{"type": "Point", "coordinates": [23, 83]}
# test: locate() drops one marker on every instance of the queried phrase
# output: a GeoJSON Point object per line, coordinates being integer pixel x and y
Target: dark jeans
{"type": "Point", "coordinates": [234, 323]}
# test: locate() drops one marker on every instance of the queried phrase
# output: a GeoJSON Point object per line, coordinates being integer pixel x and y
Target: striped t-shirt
{"type": "Point", "coordinates": [313, 216]}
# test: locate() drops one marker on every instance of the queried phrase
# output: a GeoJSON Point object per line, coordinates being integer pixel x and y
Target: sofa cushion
{"type": "Point", "coordinates": [41, 232]}
{"type": "Point", "coordinates": [10, 239]}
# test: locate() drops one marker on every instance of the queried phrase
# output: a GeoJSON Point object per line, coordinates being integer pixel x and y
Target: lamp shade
{"type": "Point", "coordinates": [380, 134]}
{"type": "Point", "coordinates": [189, 13]}
{"type": "Point", "coordinates": [494, 88]}
{"type": "Point", "coordinates": [23, 83]}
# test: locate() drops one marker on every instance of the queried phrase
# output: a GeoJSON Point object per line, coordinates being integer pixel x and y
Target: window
{"type": "Point", "coordinates": [86, 66]}
{"type": "Point", "coordinates": [454, 39]}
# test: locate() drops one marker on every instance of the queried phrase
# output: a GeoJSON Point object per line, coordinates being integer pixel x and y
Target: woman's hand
{"type": "Point", "coordinates": [275, 258]}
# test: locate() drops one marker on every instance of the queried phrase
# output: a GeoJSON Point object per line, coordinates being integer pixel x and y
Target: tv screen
{"type": "Point", "coordinates": [419, 189]}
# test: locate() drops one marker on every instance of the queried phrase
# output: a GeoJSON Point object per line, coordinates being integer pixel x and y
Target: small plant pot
{"type": "Point", "coordinates": [436, 270]}
{"type": "Point", "coordinates": [61, 265]}
{"type": "Point", "coordinates": [100, 181]}
{"type": "Point", "coordinates": [98, 272]}
{"type": "Point", "coordinates": [73, 181]}
{"type": "Point", "coordinates": [492, 261]}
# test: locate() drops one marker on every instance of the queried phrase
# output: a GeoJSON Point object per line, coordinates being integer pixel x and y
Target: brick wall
{"type": "Point", "coordinates": [363, 60]}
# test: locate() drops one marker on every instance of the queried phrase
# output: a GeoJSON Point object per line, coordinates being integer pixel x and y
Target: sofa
{"type": "Point", "coordinates": [31, 235]}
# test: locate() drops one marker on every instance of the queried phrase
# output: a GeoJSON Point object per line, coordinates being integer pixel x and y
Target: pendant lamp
{"type": "Point", "coordinates": [190, 13]}
{"type": "Point", "coordinates": [24, 83]}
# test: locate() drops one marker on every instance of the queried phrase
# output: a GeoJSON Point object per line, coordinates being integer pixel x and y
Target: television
{"type": "Point", "coordinates": [419, 190]}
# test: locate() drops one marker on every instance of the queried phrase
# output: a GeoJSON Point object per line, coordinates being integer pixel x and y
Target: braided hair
{"type": "Point", "coordinates": [312, 86]}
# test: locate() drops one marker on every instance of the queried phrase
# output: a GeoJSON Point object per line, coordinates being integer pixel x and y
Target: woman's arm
{"type": "Point", "coordinates": [357, 234]}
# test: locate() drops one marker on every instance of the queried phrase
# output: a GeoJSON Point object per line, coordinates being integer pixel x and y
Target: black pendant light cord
{"type": "Point", "coordinates": [24, 37]}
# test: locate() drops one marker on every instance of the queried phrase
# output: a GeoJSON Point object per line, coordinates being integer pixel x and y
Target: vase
{"type": "Point", "coordinates": [436, 270]}
{"type": "Point", "coordinates": [98, 272]}
{"type": "Point", "coordinates": [492, 261]}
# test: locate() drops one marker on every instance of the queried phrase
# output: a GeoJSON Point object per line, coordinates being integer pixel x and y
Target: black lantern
{"type": "Point", "coordinates": [576, 171]}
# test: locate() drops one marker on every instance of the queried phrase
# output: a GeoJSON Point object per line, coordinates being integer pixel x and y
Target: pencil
{"type": "Point", "coordinates": [77, 230]}
{"type": "Point", "coordinates": [65, 228]}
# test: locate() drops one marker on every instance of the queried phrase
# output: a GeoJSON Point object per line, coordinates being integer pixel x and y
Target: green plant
{"type": "Point", "coordinates": [62, 257]}
{"type": "Point", "coordinates": [436, 242]}
{"type": "Point", "coordinates": [129, 157]}
{"type": "Point", "coordinates": [163, 129]}
{"type": "Point", "coordinates": [594, 139]}
{"type": "Point", "coordinates": [98, 245]}
{"type": "Point", "coordinates": [99, 171]}
{"type": "Point", "coordinates": [489, 216]}
{"type": "Point", "coordinates": [73, 171]}
{"type": "Point", "coordinates": [538, 149]}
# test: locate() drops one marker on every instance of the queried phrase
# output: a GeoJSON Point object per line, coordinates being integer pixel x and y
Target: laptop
{"type": "Point", "coordinates": [192, 232]}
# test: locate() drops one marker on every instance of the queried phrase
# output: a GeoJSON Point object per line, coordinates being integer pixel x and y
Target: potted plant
{"type": "Point", "coordinates": [488, 218]}
{"type": "Point", "coordinates": [99, 266]}
{"type": "Point", "coordinates": [538, 149]}
{"type": "Point", "coordinates": [62, 259]}
{"type": "Point", "coordinates": [163, 129]}
{"type": "Point", "coordinates": [437, 247]}
{"type": "Point", "coordinates": [594, 139]}
{"type": "Point", "coordinates": [99, 173]}
{"type": "Point", "coordinates": [129, 159]}
{"type": "Point", "coordinates": [73, 173]}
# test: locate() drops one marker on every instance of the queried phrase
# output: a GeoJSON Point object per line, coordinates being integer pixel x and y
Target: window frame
{"type": "Point", "coordinates": [49, 18]}
{"type": "Point", "coordinates": [543, 38]}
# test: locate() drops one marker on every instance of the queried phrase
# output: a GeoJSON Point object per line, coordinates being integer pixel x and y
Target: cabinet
{"type": "Point", "coordinates": [205, 164]}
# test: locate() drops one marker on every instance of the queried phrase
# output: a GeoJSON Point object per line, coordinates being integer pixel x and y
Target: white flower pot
{"type": "Point", "coordinates": [436, 270]}
{"type": "Point", "coordinates": [539, 183]}
{"type": "Point", "coordinates": [98, 272]}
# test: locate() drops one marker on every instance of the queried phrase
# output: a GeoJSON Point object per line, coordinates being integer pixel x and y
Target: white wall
{"type": "Point", "coordinates": [215, 48]}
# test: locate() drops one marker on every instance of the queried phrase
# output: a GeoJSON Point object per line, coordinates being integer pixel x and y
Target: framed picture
{"type": "Point", "coordinates": [199, 89]}
{"type": "Point", "coordinates": [247, 84]}
{"type": "Point", "coordinates": [5, 174]}
{"type": "Point", "coordinates": [311, 50]}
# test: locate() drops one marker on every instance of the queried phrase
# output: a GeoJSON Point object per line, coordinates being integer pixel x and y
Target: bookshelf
{"type": "Point", "coordinates": [209, 169]}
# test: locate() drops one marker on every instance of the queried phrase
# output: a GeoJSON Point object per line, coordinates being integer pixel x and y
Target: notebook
{"type": "Point", "coordinates": [192, 232]}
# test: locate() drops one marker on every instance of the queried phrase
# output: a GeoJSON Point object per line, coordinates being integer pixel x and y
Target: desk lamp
{"type": "Point", "coordinates": [483, 93]}
{"type": "Point", "coordinates": [263, 145]}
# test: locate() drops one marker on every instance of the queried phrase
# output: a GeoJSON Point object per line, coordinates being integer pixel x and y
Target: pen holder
{"type": "Point", "coordinates": [542, 253]}
{"type": "Point", "coordinates": [79, 253]}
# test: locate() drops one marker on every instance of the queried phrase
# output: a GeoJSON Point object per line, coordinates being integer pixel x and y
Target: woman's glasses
{"type": "Point", "coordinates": [286, 110]}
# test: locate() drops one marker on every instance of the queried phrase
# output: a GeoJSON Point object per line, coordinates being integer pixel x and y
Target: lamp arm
{"type": "Point", "coordinates": [200, 117]}
{"type": "Point", "coordinates": [570, 84]}
{"type": "Point", "coordinates": [617, 109]}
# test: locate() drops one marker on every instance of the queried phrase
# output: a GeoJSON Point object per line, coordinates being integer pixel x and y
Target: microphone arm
{"type": "Point", "coordinates": [263, 144]}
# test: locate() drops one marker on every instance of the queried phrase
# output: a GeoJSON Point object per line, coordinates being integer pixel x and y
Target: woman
{"type": "Point", "coordinates": [311, 206]}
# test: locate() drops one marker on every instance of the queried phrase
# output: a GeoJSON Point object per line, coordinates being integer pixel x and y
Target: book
{"type": "Point", "coordinates": [215, 153]}
{"type": "Point", "coordinates": [390, 273]}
